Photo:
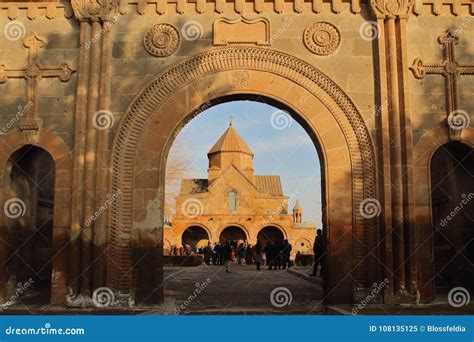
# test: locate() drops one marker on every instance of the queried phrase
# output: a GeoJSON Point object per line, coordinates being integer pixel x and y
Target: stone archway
{"type": "Point", "coordinates": [149, 126]}
{"type": "Point", "coordinates": [270, 233]}
{"type": "Point", "coordinates": [452, 199]}
{"type": "Point", "coordinates": [52, 145]}
{"type": "Point", "coordinates": [233, 234]}
{"type": "Point", "coordinates": [424, 151]}
{"type": "Point", "coordinates": [195, 236]}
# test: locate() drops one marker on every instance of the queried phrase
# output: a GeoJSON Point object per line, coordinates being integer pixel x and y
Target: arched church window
{"type": "Point", "coordinates": [232, 201]}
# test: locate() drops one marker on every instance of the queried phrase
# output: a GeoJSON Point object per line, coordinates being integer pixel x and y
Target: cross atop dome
{"type": "Point", "coordinates": [230, 119]}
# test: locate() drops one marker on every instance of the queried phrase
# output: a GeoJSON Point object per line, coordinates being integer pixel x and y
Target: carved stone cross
{"type": "Point", "coordinates": [450, 69]}
{"type": "Point", "coordinates": [33, 72]}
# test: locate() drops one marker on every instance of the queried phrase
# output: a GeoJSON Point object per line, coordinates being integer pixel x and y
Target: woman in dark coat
{"type": "Point", "coordinates": [249, 255]}
{"type": "Point", "coordinates": [227, 251]}
{"type": "Point", "coordinates": [258, 254]}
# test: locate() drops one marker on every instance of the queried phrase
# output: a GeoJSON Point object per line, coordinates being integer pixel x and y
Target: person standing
{"type": "Point", "coordinates": [286, 254]}
{"type": "Point", "coordinates": [227, 256]}
{"type": "Point", "coordinates": [214, 254]}
{"type": "Point", "coordinates": [270, 250]}
{"type": "Point", "coordinates": [218, 250]}
{"type": "Point", "coordinates": [318, 253]}
{"type": "Point", "coordinates": [258, 254]}
{"type": "Point", "coordinates": [241, 254]}
{"type": "Point", "coordinates": [249, 255]}
{"type": "Point", "coordinates": [208, 254]}
{"type": "Point", "coordinates": [279, 254]}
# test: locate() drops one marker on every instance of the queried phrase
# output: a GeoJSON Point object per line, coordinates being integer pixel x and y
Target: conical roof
{"type": "Point", "coordinates": [230, 141]}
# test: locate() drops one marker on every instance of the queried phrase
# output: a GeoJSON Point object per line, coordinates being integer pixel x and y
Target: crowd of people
{"type": "Point", "coordinates": [274, 255]}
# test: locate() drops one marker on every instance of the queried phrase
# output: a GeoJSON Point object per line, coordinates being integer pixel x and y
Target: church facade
{"type": "Point", "coordinates": [234, 204]}
{"type": "Point", "coordinates": [94, 92]}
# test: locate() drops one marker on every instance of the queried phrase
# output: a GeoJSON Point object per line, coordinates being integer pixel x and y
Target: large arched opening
{"type": "Point", "coordinates": [30, 208]}
{"type": "Point", "coordinates": [234, 235]}
{"type": "Point", "coordinates": [270, 234]}
{"type": "Point", "coordinates": [318, 104]}
{"type": "Point", "coordinates": [452, 203]}
{"type": "Point", "coordinates": [196, 237]}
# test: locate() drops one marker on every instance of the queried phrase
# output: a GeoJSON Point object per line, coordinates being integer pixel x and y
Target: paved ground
{"type": "Point", "coordinates": [210, 290]}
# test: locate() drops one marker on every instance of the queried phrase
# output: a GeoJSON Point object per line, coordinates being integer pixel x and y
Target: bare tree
{"type": "Point", "coordinates": [177, 168]}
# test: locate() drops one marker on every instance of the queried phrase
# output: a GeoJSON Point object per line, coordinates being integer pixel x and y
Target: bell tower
{"type": "Point", "coordinates": [297, 213]}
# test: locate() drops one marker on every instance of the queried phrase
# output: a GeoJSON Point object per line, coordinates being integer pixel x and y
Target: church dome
{"type": "Point", "coordinates": [230, 141]}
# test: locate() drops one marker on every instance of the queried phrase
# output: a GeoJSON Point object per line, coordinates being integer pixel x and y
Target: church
{"type": "Point", "coordinates": [94, 92]}
{"type": "Point", "coordinates": [235, 204]}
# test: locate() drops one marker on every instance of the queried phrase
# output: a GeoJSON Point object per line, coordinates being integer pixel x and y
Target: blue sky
{"type": "Point", "coordinates": [280, 145]}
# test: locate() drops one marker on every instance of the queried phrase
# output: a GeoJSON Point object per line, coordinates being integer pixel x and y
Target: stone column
{"type": "Point", "coordinates": [395, 145]}
{"type": "Point", "coordinates": [103, 157]}
{"type": "Point", "coordinates": [78, 162]}
{"type": "Point", "coordinates": [91, 144]}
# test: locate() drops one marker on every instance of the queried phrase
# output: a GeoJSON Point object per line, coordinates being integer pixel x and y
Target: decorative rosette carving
{"type": "Point", "coordinates": [161, 40]}
{"type": "Point", "coordinates": [321, 38]}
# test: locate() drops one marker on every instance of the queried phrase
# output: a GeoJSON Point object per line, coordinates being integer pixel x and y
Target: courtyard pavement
{"type": "Point", "coordinates": [210, 290]}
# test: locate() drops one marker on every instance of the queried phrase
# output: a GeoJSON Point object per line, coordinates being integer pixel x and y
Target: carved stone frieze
{"type": "Point", "coordinates": [241, 31]}
{"type": "Point", "coordinates": [94, 9]}
{"type": "Point", "coordinates": [391, 8]}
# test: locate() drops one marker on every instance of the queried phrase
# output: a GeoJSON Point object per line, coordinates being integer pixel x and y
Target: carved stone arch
{"type": "Point", "coordinates": [424, 150]}
{"type": "Point", "coordinates": [250, 60]}
{"type": "Point", "coordinates": [197, 224]}
{"type": "Point", "coordinates": [61, 155]}
{"type": "Point", "coordinates": [228, 224]}
{"type": "Point", "coordinates": [271, 224]}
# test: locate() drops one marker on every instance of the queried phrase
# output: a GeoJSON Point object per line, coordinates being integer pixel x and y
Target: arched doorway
{"type": "Point", "coordinates": [273, 234]}
{"type": "Point", "coordinates": [196, 237]}
{"type": "Point", "coordinates": [303, 246]}
{"type": "Point", "coordinates": [166, 104]}
{"type": "Point", "coordinates": [233, 234]}
{"type": "Point", "coordinates": [30, 207]}
{"type": "Point", "coordinates": [452, 200]}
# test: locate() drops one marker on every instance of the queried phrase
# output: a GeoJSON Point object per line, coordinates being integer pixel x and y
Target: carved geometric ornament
{"type": "Point", "coordinates": [161, 40]}
{"type": "Point", "coordinates": [321, 38]}
{"type": "Point", "coordinates": [241, 31]}
{"type": "Point", "coordinates": [391, 8]}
